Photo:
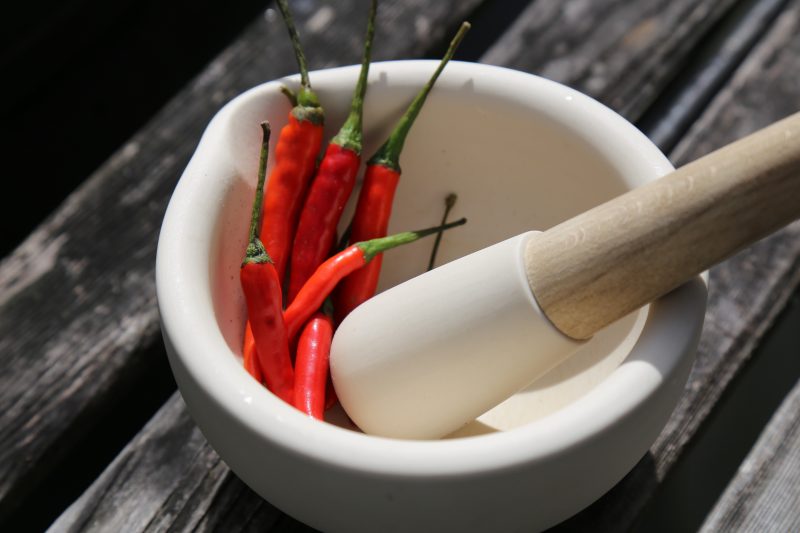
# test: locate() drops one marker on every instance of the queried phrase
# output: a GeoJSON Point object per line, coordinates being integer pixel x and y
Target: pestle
{"type": "Point", "coordinates": [423, 358]}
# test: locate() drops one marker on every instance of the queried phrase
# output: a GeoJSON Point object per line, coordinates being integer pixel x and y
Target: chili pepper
{"type": "Point", "coordinates": [371, 219]}
{"type": "Point", "coordinates": [333, 184]}
{"type": "Point", "coordinates": [329, 273]}
{"type": "Point", "coordinates": [449, 202]}
{"type": "Point", "coordinates": [250, 355]}
{"type": "Point", "coordinates": [262, 292]}
{"type": "Point", "coordinates": [313, 350]}
{"type": "Point", "coordinates": [296, 154]}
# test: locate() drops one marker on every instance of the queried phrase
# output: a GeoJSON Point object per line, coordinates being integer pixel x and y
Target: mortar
{"type": "Point", "coordinates": [501, 140]}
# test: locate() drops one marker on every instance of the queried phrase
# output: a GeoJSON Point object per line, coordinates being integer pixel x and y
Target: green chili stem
{"type": "Point", "coordinates": [373, 247]}
{"type": "Point", "coordinates": [305, 96]}
{"type": "Point", "coordinates": [262, 176]}
{"type": "Point", "coordinates": [283, 5]}
{"type": "Point", "coordinates": [388, 155]}
{"type": "Point", "coordinates": [351, 134]}
{"type": "Point", "coordinates": [255, 252]}
{"type": "Point", "coordinates": [289, 94]}
{"type": "Point", "coordinates": [449, 202]}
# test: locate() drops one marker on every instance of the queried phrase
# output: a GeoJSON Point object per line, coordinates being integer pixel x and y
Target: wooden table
{"type": "Point", "coordinates": [93, 436]}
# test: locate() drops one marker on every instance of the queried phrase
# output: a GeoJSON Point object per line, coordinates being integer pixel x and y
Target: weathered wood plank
{"type": "Point", "coordinates": [765, 89]}
{"type": "Point", "coordinates": [102, 503]}
{"type": "Point", "coordinates": [621, 53]}
{"type": "Point", "coordinates": [77, 298]}
{"type": "Point", "coordinates": [746, 292]}
{"type": "Point", "coordinates": [721, 53]}
{"type": "Point", "coordinates": [763, 495]}
{"type": "Point", "coordinates": [168, 477]}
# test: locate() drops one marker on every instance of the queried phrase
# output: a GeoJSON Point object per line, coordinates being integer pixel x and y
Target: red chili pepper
{"type": "Point", "coordinates": [262, 292]}
{"type": "Point", "coordinates": [329, 273]}
{"type": "Point", "coordinates": [296, 154]}
{"type": "Point", "coordinates": [371, 219]}
{"type": "Point", "coordinates": [313, 351]}
{"type": "Point", "coordinates": [333, 184]}
{"type": "Point", "coordinates": [250, 355]}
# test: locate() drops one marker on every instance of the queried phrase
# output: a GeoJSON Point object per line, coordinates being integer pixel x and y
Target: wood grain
{"type": "Point", "coordinates": [601, 265]}
{"type": "Point", "coordinates": [763, 495]}
{"type": "Point", "coordinates": [168, 477]}
{"type": "Point", "coordinates": [77, 299]}
{"type": "Point", "coordinates": [215, 494]}
{"type": "Point", "coordinates": [719, 54]}
{"type": "Point", "coordinates": [619, 52]}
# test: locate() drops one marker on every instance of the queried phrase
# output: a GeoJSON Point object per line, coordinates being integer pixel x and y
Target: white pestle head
{"type": "Point", "coordinates": [422, 359]}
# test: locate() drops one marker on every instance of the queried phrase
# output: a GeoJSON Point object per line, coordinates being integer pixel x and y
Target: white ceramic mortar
{"type": "Point", "coordinates": [502, 140]}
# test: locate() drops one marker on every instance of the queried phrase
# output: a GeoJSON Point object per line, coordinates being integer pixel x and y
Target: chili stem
{"type": "Point", "coordinates": [283, 5]}
{"type": "Point", "coordinates": [373, 247]}
{"type": "Point", "coordinates": [351, 135]}
{"type": "Point", "coordinates": [290, 95]}
{"type": "Point", "coordinates": [449, 202]}
{"type": "Point", "coordinates": [262, 174]}
{"type": "Point", "coordinates": [255, 252]}
{"type": "Point", "coordinates": [389, 154]}
{"type": "Point", "coordinates": [305, 96]}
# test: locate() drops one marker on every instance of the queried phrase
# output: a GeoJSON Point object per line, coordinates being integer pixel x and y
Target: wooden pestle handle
{"type": "Point", "coordinates": [599, 266]}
